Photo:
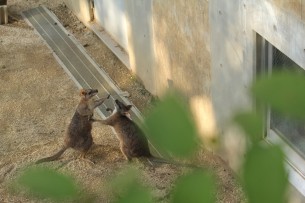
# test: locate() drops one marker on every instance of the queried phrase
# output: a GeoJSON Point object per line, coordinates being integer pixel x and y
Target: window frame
{"type": "Point", "coordinates": [295, 163]}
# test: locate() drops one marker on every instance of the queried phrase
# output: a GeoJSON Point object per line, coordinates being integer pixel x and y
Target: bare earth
{"type": "Point", "coordinates": [38, 99]}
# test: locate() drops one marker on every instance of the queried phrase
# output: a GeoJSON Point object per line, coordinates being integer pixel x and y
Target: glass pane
{"type": "Point", "coordinates": [293, 131]}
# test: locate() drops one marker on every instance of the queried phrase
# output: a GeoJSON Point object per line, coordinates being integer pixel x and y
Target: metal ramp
{"type": "Point", "coordinates": [73, 58]}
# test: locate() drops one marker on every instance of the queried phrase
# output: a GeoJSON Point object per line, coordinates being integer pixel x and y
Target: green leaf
{"type": "Point", "coordinates": [265, 177]}
{"type": "Point", "coordinates": [171, 129]}
{"type": "Point", "coordinates": [283, 91]}
{"type": "Point", "coordinates": [196, 187]}
{"type": "Point", "coordinates": [129, 189]}
{"type": "Point", "coordinates": [252, 124]}
{"type": "Point", "coordinates": [48, 183]}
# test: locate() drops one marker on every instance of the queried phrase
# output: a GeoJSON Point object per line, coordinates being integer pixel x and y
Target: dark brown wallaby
{"type": "Point", "coordinates": [133, 142]}
{"type": "Point", "coordinates": [78, 134]}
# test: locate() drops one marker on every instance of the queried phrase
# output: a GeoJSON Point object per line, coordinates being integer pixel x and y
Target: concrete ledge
{"type": "Point", "coordinates": [110, 43]}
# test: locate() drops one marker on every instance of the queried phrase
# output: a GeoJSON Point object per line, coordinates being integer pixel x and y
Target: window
{"type": "Point", "coordinates": [280, 129]}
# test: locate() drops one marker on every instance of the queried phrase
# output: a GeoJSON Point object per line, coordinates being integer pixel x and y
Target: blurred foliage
{"type": "Point", "coordinates": [282, 91]}
{"type": "Point", "coordinates": [265, 177]}
{"type": "Point", "coordinates": [129, 189]}
{"type": "Point", "coordinates": [172, 130]}
{"type": "Point", "coordinates": [48, 183]}
{"type": "Point", "coordinates": [252, 124]}
{"type": "Point", "coordinates": [196, 187]}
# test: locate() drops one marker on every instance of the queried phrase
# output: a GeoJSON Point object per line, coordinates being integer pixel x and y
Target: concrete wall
{"type": "Point", "coordinates": [140, 38]}
{"type": "Point", "coordinates": [206, 49]}
{"type": "Point", "coordinates": [233, 28]}
{"type": "Point", "coordinates": [232, 59]}
{"type": "Point", "coordinates": [182, 58]}
{"type": "Point", "coordinates": [168, 46]}
{"type": "Point", "coordinates": [81, 8]}
{"type": "Point", "coordinates": [110, 14]}
{"type": "Point", "coordinates": [232, 70]}
{"type": "Point", "coordinates": [181, 42]}
{"type": "Point", "coordinates": [283, 30]}
{"type": "Point", "coordinates": [296, 7]}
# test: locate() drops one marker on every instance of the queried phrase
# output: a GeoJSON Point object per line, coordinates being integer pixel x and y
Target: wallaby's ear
{"type": "Point", "coordinates": [82, 92]}
{"type": "Point", "coordinates": [128, 107]}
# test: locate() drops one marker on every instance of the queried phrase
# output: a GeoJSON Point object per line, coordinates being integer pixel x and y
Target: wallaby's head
{"type": "Point", "coordinates": [88, 93]}
{"type": "Point", "coordinates": [123, 109]}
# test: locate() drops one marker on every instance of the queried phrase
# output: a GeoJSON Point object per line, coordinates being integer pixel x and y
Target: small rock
{"type": "Point", "coordinates": [86, 45]}
{"type": "Point", "coordinates": [3, 67]}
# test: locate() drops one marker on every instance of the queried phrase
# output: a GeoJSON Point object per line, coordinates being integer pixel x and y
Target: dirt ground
{"type": "Point", "coordinates": [38, 99]}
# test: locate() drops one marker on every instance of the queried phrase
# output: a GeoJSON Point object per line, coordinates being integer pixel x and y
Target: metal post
{"type": "Point", "coordinates": [3, 12]}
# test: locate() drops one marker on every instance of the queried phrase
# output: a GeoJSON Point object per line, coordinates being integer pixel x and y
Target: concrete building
{"type": "Point", "coordinates": [211, 51]}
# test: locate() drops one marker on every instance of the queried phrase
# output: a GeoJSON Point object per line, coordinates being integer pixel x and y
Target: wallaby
{"type": "Point", "coordinates": [78, 135]}
{"type": "Point", "coordinates": [133, 142]}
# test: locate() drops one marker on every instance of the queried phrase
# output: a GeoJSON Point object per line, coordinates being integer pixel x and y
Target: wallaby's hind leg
{"type": "Point", "coordinates": [125, 152]}
{"type": "Point", "coordinates": [86, 147]}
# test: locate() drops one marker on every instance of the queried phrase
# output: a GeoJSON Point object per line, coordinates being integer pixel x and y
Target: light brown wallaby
{"type": "Point", "coordinates": [133, 142]}
{"type": "Point", "coordinates": [78, 135]}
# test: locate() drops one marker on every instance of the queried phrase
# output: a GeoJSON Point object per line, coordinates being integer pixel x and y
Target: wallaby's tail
{"type": "Point", "coordinates": [164, 161]}
{"type": "Point", "coordinates": [54, 157]}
